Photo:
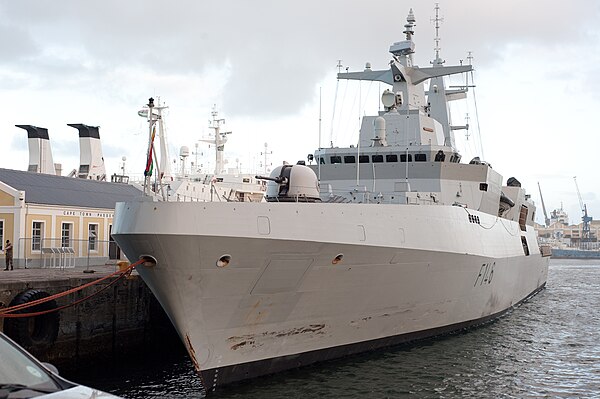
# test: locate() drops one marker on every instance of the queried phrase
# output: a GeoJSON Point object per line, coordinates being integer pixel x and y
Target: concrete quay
{"type": "Point", "coordinates": [122, 318]}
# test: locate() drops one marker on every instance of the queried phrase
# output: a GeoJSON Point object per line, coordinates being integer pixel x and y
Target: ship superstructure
{"type": "Point", "coordinates": [385, 242]}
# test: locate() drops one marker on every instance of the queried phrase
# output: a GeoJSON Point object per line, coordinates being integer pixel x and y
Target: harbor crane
{"type": "Point", "coordinates": [546, 218]}
{"type": "Point", "coordinates": [585, 229]}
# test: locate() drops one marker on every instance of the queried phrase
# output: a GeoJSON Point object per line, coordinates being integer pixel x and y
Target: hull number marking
{"type": "Point", "coordinates": [486, 273]}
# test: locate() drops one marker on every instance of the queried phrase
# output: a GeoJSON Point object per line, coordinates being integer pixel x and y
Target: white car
{"type": "Point", "coordinates": [23, 376]}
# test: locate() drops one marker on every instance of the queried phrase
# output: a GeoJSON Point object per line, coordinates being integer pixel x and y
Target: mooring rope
{"type": "Point", "coordinates": [9, 311]}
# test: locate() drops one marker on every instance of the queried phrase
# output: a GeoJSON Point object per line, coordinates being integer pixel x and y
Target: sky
{"type": "Point", "coordinates": [269, 68]}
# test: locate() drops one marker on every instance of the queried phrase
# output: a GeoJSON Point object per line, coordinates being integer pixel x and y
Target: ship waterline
{"type": "Point", "coordinates": [289, 296]}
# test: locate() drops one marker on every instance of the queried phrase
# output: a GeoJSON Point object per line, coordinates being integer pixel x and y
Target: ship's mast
{"type": "Point", "coordinates": [151, 158]}
{"type": "Point", "coordinates": [407, 81]}
{"type": "Point", "coordinates": [437, 38]}
{"type": "Point", "coordinates": [265, 154]}
{"type": "Point", "coordinates": [219, 140]}
{"type": "Point", "coordinates": [409, 31]}
{"type": "Point", "coordinates": [164, 164]}
{"type": "Point", "coordinates": [165, 160]}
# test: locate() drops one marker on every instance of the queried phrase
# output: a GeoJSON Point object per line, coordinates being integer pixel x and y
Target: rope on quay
{"type": "Point", "coordinates": [9, 311]}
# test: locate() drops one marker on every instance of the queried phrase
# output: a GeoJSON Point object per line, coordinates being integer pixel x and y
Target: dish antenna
{"type": "Point", "coordinates": [388, 99]}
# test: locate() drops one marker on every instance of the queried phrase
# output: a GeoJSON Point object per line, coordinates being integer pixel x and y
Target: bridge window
{"type": "Point", "coordinates": [335, 159]}
{"type": "Point", "coordinates": [391, 158]}
{"type": "Point", "coordinates": [455, 158]}
{"type": "Point", "coordinates": [403, 157]}
{"type": "Point", "coordinates": [363, 159]}
{"type": "Point", "coordinates": [349, 159]}
{"type": "Point", "coordinates": [420, 157]}
{"type": "Point", "coordinates": [377, 158]}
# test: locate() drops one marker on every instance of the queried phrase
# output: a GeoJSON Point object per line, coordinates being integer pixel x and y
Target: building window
{"type": "Point", "coordinates": [2, 234]}
{"type": "Point", "coordinates": [377, 158]}
{"type": "Point", "coordinates": [349, 159]}
{"type": "Point", "coordinates": [391, 158]}
{"type": "Point", "coordinates": [65, 235]}
{"type": "Point", "coordinates": [37, 236]}
{"type": "Point", "coordinates": [93, 237]}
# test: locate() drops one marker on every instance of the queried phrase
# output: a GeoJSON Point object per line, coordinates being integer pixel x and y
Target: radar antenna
{"type": "Point", "coordinates": [409, 28]}
{"type": "Point", "coordinates": [437, 39]}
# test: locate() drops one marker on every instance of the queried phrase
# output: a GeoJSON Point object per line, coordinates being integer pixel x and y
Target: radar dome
{"type": "Point", "coordinates": [184, 151]}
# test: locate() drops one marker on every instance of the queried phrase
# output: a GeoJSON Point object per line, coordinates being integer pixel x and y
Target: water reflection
{"type": "Point", "coordinates": [548, 347]}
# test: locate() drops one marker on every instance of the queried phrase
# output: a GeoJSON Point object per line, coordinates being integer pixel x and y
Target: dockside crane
{"type": "Point", "coordinates": [546, 218]}
{"type": "Point", "coordinates": [585, 229]}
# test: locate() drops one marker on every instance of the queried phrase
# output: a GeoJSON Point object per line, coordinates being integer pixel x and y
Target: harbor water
{"type": "Point", "coordinates": [549, 347]}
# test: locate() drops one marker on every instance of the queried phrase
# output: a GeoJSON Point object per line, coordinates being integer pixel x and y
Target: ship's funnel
{"type": "Point", "coordinates": [91, 161]}
{"type": "Point", "coordinates": [40, 154]}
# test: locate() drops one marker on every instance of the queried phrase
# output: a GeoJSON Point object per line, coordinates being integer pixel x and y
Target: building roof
{"type": "Point", "coordinates": [69, 191]}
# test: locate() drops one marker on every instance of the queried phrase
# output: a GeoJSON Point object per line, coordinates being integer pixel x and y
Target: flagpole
{"type": "Point", "coordinates": [149, 152]}
{"type": "Point", "coordinates": [162, 189]}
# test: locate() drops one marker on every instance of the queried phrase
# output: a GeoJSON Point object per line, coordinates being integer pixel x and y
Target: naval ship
{"type": "Point", "coordinates": [388, 241]}
{"type": "Point", "coordinates": [222, 185]}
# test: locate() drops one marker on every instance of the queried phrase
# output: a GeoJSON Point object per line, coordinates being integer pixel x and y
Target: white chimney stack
{"type": "Point", "coordinates": [40, 153]}
{"type": "Point", "coordinates": [91, 161]}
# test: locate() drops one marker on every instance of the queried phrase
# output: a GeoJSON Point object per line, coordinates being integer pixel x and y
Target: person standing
{"type": "Point", "coordinates": [8, 253]}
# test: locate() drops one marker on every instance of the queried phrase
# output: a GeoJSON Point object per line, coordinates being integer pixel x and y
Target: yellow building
{"type": "Point", "coordinates": [59, 221]}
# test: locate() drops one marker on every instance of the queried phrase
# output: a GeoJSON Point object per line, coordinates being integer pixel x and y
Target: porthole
{"type": "Point", "coordinates": [224, 261]}
{"type": "Point", "coordinates": [337, 259]}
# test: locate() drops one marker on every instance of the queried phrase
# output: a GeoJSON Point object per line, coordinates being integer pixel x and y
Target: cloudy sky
{"type": "Point", "coordinates": [263, 63]}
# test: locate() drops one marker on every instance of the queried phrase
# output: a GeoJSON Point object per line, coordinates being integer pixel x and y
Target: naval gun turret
{"type": "Point", "coordinates": [292, 183]}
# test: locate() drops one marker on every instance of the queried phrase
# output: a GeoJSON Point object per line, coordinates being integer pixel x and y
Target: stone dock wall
{"type": "Point", "coordinates": [124, 317]}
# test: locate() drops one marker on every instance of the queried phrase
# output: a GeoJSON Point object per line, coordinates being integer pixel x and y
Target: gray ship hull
{"type": "Point", "coordinates": [240, 372]}
{"type": "Point", "coordinates": [283, 301]}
